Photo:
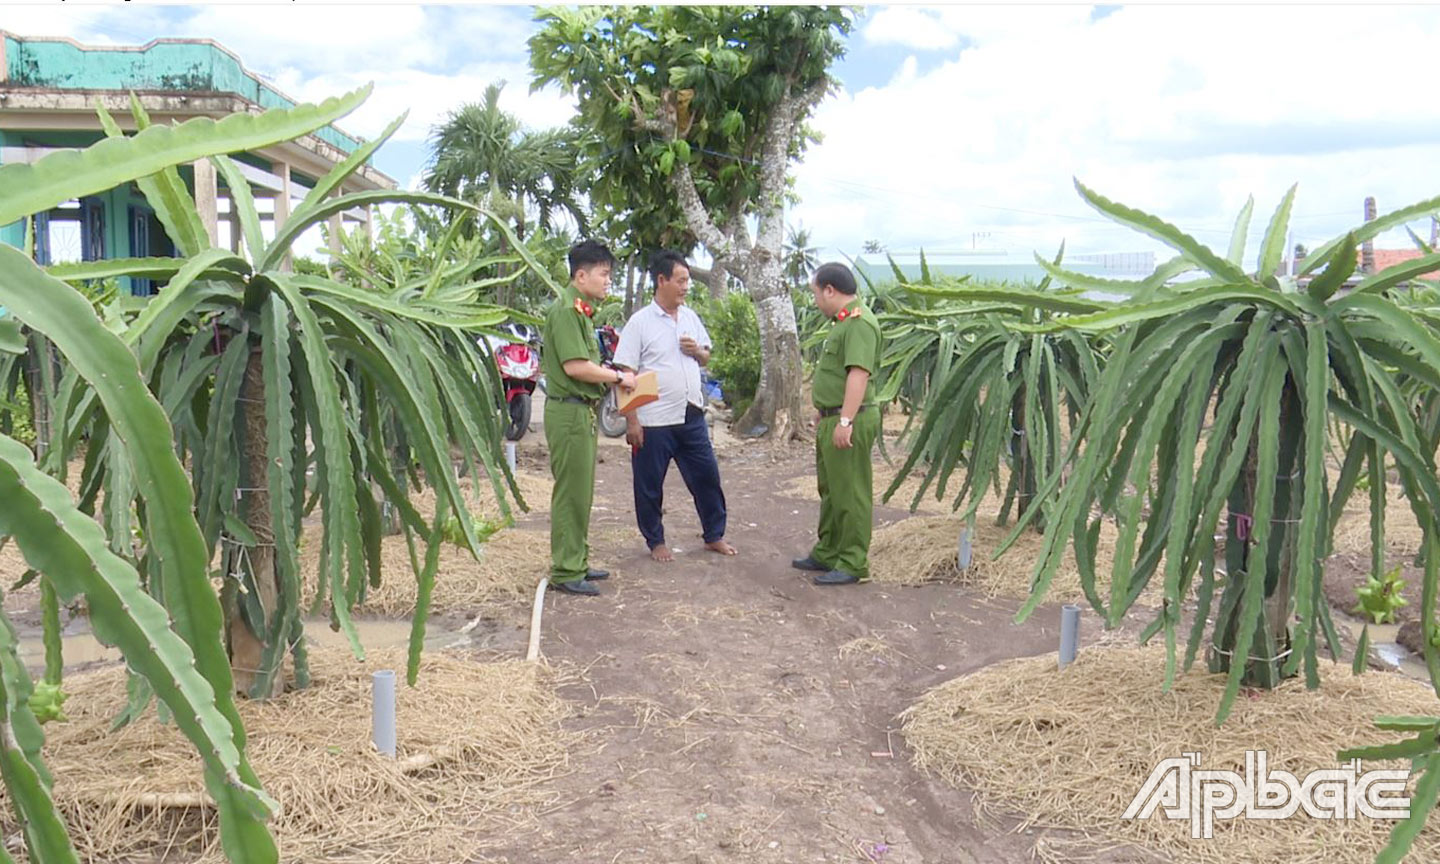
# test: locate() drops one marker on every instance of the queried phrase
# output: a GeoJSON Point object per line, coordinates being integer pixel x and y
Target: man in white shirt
{"type": "Point", "coordinates": [669, 339]}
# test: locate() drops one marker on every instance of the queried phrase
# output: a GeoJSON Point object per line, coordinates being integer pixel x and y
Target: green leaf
{"type": "Point", "coordinates": [342, 524]}
{"type": "Point", "coordinates": [143, 268]}
{"type": "Point", "coordinates": [165, 191]}
{"type": "Point", "coordinates": [53, 308]}
{"type": "Point", "coordinates": [1272, 248]}
{"type": "Point", "coordinates": [1242, 229]}
{"type": "Point", "coordinates": [27, 782]}
{"type": "Point", "coordinates": [1337, 270]}
{"type": "Point", "coordinates": [70, 548]}
{"type": "Point", "coordinates": [1127, 287]}
{"type": "Point", "coordinates": [1165, 233]}
{"type": "Point", "coordinates": [243, 202]}
{"type": "Point", "coordinates": [299, 223]}
{"type": "Point", "coordinates": [1398, 274]}
{"type": "Point", "coordinates": [1403, 835]}
{"type": "Point", "coordinates": [332, 181]}
{"type": "Point", "coordinates": [1362, 652]}
{"type": "Point", "coordinates": [62, 176]}
{"type": "Point", "coordinates": [682, 150]}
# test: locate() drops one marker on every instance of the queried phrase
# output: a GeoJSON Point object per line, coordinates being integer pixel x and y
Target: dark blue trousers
{"type": "Point", "coordinates": [688, 444]}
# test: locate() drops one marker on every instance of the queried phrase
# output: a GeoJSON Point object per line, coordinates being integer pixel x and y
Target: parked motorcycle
{"type": "Point", "coordinates": [519, 364]}
{"type": "Point", "coordinates": [612, 422]}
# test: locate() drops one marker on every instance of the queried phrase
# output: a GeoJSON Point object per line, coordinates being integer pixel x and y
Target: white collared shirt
{"type": "Point", "coordinates": [650, 342]}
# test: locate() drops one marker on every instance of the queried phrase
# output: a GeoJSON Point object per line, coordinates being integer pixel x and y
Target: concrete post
{"type": "Point", "coordinates": [282, 205]}
{"type": "Point", "coordinates": [1367, 249]}
{"type": "Point", "coordinates": [205, 195]}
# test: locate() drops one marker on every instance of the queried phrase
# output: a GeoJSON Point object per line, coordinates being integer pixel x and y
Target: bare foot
{"type": "Point", "coordinates": [662, 554]}
{"type": "Point", "coordinates": [722, 547]}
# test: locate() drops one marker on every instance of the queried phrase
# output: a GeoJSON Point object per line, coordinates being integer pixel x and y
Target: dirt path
{"type": "Point", "coordinates": [738, 713]}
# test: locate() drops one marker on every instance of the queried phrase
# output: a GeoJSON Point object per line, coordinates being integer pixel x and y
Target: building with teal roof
{"type": "Point", "coordinates": [49, 90]}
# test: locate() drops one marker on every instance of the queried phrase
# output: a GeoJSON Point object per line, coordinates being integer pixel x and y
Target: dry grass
{"type": "Point", "coordinates": [1403, 536]}
{"type": "Point", "coordinates": [509, 566]}
{"type": "Point", "coordinates": [926, 549]}
{"type": "Point", "coordinates": [1070, 750]}
{"type": "Point", "coordinates": [475, 740]}
{"type": "Point", "coordinates": [534, 487]}
{"type": "Point", "coordinates": [803, 487]}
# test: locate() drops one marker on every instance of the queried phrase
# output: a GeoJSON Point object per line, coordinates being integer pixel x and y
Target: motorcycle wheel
{"type": "Point", "coordinates": [612, 422]}
{"type": "Point", "coordinates": [519, 417]}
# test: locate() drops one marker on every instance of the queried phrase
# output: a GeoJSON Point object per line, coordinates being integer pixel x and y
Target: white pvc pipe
{"type": "Point", "coordinates": [532, 654]}
{"type": "Point", "coordinates": [510, 455]}
{"type": "Point", "coordinates": [382, 711]}
{"type": "Point", "coordinates": [1069, 633]}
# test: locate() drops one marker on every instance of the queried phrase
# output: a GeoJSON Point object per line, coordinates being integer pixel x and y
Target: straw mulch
{"type": "Point", "coordinates": [803, 487]}
{"type": "Point", "coordinates": [1071, 749]}
{"type": "Point", "coordinates": [925, 549]}
{"type": "Point", "coordinates": [475, 741]}
{"type": "Point", "coordinates": [1403, 536]}
{"type": "Point", "coordinates": [510, 564]}
{"type": "Point", "coordinates": [534, 487]}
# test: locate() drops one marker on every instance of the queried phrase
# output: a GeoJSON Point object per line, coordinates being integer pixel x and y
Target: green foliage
{"type": "Point", "coordinates": [998, 388]}
{"type": "Point", "coordinates": [1380, 597]}
{"type": "Point", "coordinates": [482, 154]}
{"type": "Point", "coordinates": [735, 358]}
{"type": "Point", "coordinates": [253, 374]}
{"type": "Point", "coordinates": [665, 87]}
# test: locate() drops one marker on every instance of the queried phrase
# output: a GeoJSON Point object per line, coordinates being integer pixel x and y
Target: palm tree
{"type": "Point", "coordinates": [800, 257]}
{"type": "Point", "coordinates": [482, 154]}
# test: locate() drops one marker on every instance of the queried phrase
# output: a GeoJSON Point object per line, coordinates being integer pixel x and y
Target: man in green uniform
{"type": "Point", "coordinates": [574, 385]}
{"type": "Point", "coordinates": [845, 430]}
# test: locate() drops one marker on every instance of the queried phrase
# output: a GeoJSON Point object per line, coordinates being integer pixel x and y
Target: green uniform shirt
{"type": "Point", "coordinates": [854, 341]}
{"type": "Point", "coordinates": [568, 334]}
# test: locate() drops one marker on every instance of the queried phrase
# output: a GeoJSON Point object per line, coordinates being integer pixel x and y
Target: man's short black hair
{"type": "Point", "coordinates": [587, 254]}
{"type": "Point", "coordinates": [663, 264]}
{"type": "Point", "coordinates": [837, 276]}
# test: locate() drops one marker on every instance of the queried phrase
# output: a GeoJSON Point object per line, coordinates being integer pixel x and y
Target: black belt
{"type": "Point", "coordinates": [578, 400]}
{"type": "Point", "coordinates": [831, 412]}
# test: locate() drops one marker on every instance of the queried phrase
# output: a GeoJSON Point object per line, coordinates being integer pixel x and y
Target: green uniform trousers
{"type": "Point", "coordinates": [847, 498]}
{"type": "Point", "coordinates": [570, 433]}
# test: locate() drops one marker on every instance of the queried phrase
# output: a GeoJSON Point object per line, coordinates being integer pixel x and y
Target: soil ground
{"type": "Point", "coordinates": [740, 713]}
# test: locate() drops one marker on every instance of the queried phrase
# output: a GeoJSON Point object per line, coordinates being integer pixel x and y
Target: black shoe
{"type": "Point", "coordinates": [597, 575]}
{"type": "Point", "coordinates": [578, 586]}
{"type": "Point", "coordinates": [808, 563]}
{"type": "Point", "coordinates": [835, 577]}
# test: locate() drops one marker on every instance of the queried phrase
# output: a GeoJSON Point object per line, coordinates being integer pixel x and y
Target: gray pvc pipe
{"type": "Point", "coordinates": [382, 711]}
{"type": "Point", "coordinates": [1069, 633]}
{"type": "Point", "coordinates": [510, 455]}
{"type": "Point", "coordinates": [966, 553]}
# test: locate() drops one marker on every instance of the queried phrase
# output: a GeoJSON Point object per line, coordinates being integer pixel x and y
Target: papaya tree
{"type": "Point", "coordinates": [269, 375]}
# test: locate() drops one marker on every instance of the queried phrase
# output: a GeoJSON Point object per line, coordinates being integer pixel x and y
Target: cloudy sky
{"type": "Point", "coordinates": [956, 127]}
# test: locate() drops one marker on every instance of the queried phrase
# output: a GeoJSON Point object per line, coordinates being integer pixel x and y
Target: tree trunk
{"type": "Point", "coordinates": [629, 289]}
{"type": "Point", "coordinates": [777, 410]}
{"type": "Point", "coordinates": [258, 602]}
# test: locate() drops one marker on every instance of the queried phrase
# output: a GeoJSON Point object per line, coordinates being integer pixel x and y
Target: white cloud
{"type": "Point", "coordinates": [1183, 111]}
{"type": "Point", "coordinates": [944, 27]}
